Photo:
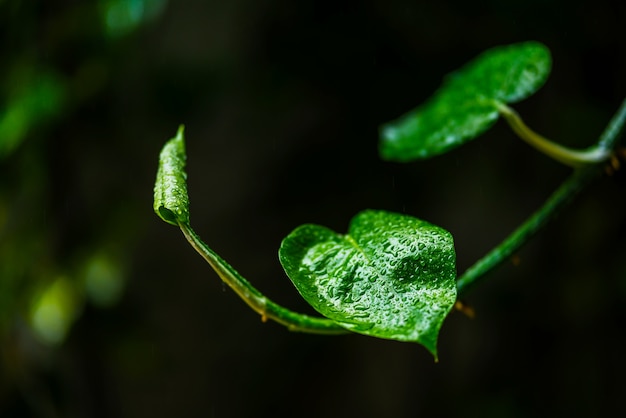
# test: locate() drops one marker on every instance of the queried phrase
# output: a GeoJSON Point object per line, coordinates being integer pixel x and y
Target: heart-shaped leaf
{"type": "Point", "coordinates": [392, 276]}
{"type": "Point", "coordinates": [466, 105]}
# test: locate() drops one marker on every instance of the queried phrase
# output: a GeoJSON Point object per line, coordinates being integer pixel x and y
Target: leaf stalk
{"type": "Point", "coordinates": [567, 156]}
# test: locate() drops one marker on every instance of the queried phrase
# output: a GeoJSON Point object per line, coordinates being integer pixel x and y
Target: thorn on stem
{"type": "Point", "coordinates": [615, 161]}
{"type": "Point", "coordinates": [465, 309]}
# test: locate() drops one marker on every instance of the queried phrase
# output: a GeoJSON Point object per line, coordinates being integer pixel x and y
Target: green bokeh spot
{"type": "Point", "coordinates": [39, 98]}
{"type": "Point", "coordinates": [392, 276]}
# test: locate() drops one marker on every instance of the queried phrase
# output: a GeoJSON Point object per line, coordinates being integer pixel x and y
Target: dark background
{"type": "Point", "coordinates": [282, 101]}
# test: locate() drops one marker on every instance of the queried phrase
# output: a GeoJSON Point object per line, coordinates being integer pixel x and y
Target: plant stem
{"type": "Point", "coordinates": [611, 135]}
{"type": "Point", "coordinates": [561, 197]}
{"type": "Point", "coordinates": [567, 156]}
{"type": "Point", "coordinates": [255, 299]}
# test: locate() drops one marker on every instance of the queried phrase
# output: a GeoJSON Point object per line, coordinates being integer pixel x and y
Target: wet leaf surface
{"type": "Point", "coordinates": [392, 276]}
{"type": "Point", "coordinates": [171, 201]}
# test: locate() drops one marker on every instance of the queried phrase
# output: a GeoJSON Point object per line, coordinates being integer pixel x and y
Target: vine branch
{"type": "Point", "coordinates": [581, 177]}
{"type": "Point", "coordinates": [266, 308]}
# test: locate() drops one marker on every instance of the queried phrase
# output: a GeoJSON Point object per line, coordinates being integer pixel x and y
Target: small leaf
{"type": "Point", "coordinates": [171, 202]}
{"type": "Point", "coordinates": [467, 103]}
{"type": "Point", "coordinates": [392, 276]}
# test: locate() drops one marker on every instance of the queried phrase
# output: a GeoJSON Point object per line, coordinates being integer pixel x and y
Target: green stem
{"type": "Point", "coordinates": [255, 299]}
{"type": "Point", "coordinates": [567, 156]}
{"type": "Point", "coordinates": [561, 197]}
{"type": "Point", "coordinates": [611, 135]}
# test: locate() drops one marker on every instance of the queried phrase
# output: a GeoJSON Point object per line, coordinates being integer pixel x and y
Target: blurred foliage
{"type": "Point", "coordinates": [34, 94]}
{"type": "Point", "coordinates": [30, 101]}
{"type": "Point", "coordinates": [46, 281]}
{"type": "Point", "coordinates": [89, 91]}
{"type": "Point", "coordinates": [123, 16]}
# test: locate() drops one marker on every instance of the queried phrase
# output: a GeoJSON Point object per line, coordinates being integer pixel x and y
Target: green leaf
{"type": "Point", "coordinates": [467, 103]}
{"type": "Point", "coordinates": [392, 276]}
{"type": "Point", "coordinates": [171, 202]}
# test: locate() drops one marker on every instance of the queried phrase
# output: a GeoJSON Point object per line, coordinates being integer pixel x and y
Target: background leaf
{"type": "Point", "coordinates": [466, 104]}
{"type": "Point", "coordinates": [392, 276]}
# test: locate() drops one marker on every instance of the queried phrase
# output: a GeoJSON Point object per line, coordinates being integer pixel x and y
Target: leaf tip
{"type": "Point", "coordinates": [432, 349]}
{"type": "Point", "coordinates": [389, 135]}
{"type": "Point", "coordinates": [180, 134]}
{"type": "Point", "coordinates": [395, 141]}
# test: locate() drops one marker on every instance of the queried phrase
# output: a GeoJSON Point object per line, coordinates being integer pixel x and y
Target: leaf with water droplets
{"type": "Point", "coordinates": [171, 201]}
{"type": "Point", "coordinates": [467, 103]}
{"type": "Point", "coordinates": [392, 276]}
